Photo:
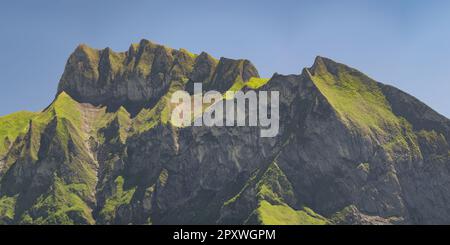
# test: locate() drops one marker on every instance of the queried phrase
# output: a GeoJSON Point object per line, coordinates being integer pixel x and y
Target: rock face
{"type": "Point", "coordinates": [139, 77]}
{"type": "Point", "coordinates": [350, 150]}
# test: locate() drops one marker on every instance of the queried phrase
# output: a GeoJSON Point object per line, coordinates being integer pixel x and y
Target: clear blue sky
{"type": "Point", "coordinates": [403, 43]}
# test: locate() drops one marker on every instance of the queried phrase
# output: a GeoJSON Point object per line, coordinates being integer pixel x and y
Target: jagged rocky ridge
{"type": "Point", "coordinates": [350, 150]}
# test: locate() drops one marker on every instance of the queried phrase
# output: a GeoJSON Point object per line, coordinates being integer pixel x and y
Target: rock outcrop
{"type": "Point", "coordinates": [138, 78]}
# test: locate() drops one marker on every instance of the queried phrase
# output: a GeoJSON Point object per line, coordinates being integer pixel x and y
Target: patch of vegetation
{"type": "Point", "coordinates": [271, 185]}
{"type": "Point", "coordinates": [116, 60]}
{"type": "Point", "coordinates": [433, 145]}
{"type": "Point", "coordinates": [360, 104]}
{"type": "Point", "coordinates": [248, 184]}
{"type": "Point", "coordinates": [62, 205]}
{"type": "Point", "coordinates": [273, 192]}
{"type": "Point", "coordinates": [38, 125]}
{"type": "Point", "coordinates": [256, 82]}
{"type": "Point", "coordinates": [7, 209]}
{"type": "Point", "coordinates": [269, 214]}
{"type": "Point", "coordinates": [433, 139]}
{"type": "Point", "coordinates": [252, 83]}
{"type": "Point", "coordinates": [404, 139]}
{"type": "Point", "coordinates": [104, 119]}
{"type": "Point", "coordinates": [342, 215]}
{"type": "Point", "coordinates": [431, 136]}
{"type": "Point", "coordinates": [69, 122]}
{"type": "Point", "coordinates": [192, 55]}
{"type": "Point", "coordinates": [274, 185]}
{"type": "Point", "coordinates": [237, 85]}
{"type": "Point", "coordinates": [356, 98]}
{"type": "Point", "coordinates": [67, 114]}
{"type": "Point", "coordinates": [68, 108]}
{"type": "Point", "coordinates": [161, 113]}
{"type": "Point", "coordinates": [11, 126]}
{"type": "Point", "coordinates": [124, 119]}
{"type": "Point", "coordinates": [119, 197]}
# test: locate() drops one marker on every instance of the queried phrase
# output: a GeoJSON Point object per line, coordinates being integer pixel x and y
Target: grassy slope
{"type": "Point", "coordinates": [359, 103]}
{"type": "Point", "coordinates": [272, 209]}
{"type": "Point", "coordinates": [66, 112]}
{"type": "Point", "coordinates": [65, 202]}
{"type": "Point", "coordinates": [272, 188]}
{"type": "Point", "coordinates": [356, 98]}
{"type": "Point", "coordinates": [12, 126]}
{"type": "Point", "coordinates": [118, 198]}
{"type": "Point", "coordinates": [7, 206]}
{"type": "Point", "coordinates": [284, 215]}
{"type": "Point", "coordinates": [252, 83]}
{"type": "Point", "coordinates": [62, 205]}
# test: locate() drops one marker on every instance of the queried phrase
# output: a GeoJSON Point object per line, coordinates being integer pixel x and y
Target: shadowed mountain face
{"type": "Point", "coordinates": [350, 150]}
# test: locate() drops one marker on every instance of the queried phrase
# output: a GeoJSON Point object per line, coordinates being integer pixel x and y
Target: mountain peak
{"type": "Point", "coordinates": [84, 47]}
{"type": "Point", "coordinates": [138, 77]}
{"type": "Point", "coordinates": [230, 71]}
{"type": "Point", "coordinates": [131, 79]}
{"type": "Point", "coordinates": [146, 42]}
{"type": "Point", "coordinates": [323, 64]}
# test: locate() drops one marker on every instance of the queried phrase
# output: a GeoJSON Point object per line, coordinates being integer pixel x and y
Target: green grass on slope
{"type": "Point", "coordinates": [273, 189]}
{"type": "Point", "coordinates": [120, 197]}
{"type": "Point", "coordinates": [75, 122]}
{"type": "Point", "coordinates": [436, 145]}
{"type": "Point", "coordinates": [69, 136]}
{"type": "Point", "coordinates": [360, 103]}
{"type": "Point", "coordinates": [105, 118]}
{"type": "Point", "coordinates": [65, 203]}
{"type": "Point", "coordinates": [252, 83]}
{"type": "Point", "coordinates": [123, 117]}
{"type": "Point", "coordinates": [237, 85]}
{"type": "Point", "coordinates": [38, 125]}
{"type": "Point", "coordinates": [116, 61]}
{"type": "Point", "coordinates": [7, 206]}
{"type": "Point", "coordinates": [190, 54]}
{"type": "Point", "coordinates": [68, 108]}
{"type": "Point", "coordinates": [256, 82]}
{"type": "Point", "coordinates": [356, 98]}
{"type": "Point", "coordinates": [160, 113]}
{"type": "Point", "coordinates": [62, 205]}
{"type": "Point", "coordinates": [274, 185]}
{"type": "Point", "coordinates": [66, 111]}
{"type": "Point", "coordinates": [70, 122]}
{"type": "Point", "coordinates": [12, 126]}
{"type": "Point", "coordinates": [269, 214]}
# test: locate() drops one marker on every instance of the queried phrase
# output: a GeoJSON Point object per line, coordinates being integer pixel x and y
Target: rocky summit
{"type": "Point", "coordinates": [350, 150]}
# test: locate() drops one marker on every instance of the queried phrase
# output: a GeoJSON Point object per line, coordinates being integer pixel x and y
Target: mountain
{"type": "Point", "coordinates": [350, 150]}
